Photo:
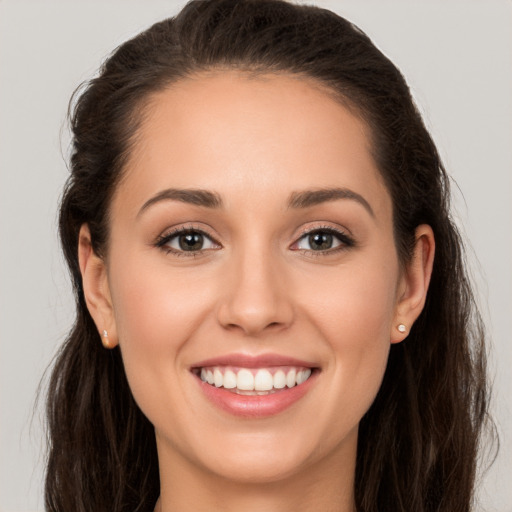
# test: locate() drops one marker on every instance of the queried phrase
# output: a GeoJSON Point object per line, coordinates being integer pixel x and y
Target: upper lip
{"type": "Point", "coordinates": [254, 361]}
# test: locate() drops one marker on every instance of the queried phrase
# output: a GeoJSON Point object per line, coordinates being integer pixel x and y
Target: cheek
{"type": "Point", "coordinates": [353, 316]}
{"type": "Point", "coordinates": [154, 306]}
{"type": "Point", "coordinates": [156, 313]}
{"type": "Point", "coordinates": [355, 304]}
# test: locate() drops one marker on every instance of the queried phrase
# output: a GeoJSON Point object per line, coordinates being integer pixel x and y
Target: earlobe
{"type": "Point", "coordinates": [414, 285]}
{"type": "Point", "coordinates": [96, 289]}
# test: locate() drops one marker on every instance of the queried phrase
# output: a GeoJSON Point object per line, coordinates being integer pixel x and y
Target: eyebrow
{"type": "Point", "coordinates": [302, 199]}
{"type": "Point", "coordinates": [308, 198]}
{"type": "Point", "coordinates": [197, 197]}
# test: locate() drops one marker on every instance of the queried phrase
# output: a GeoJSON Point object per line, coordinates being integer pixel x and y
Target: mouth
{"type": "Point", "coordinates": [254, 386]}
{"type": "Point", "coordinates": [254, 381]}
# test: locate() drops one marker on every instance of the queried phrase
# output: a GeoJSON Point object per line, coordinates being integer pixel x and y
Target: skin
{"type": "Point", "coordinates": [257, 288]}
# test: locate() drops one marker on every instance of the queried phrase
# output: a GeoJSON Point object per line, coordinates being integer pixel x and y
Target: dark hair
{"type": "Point", "coordinates": [418, 442]}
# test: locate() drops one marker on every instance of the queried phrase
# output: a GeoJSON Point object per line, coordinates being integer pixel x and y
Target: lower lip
{"type": "Point", "coordinates": [256, 406]}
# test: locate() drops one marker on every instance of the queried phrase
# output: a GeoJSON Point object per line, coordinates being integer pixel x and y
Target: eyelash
{"type": "Point", "coordinates": [163, 240]}
{"type": "Point", "coordinates": [346, 241]}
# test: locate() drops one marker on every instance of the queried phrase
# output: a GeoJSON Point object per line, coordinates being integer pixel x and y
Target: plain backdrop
{"type": "Point", "coordinates": [457, 58]}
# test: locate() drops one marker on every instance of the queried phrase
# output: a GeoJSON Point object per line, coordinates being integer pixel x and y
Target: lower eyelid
{"type": "Point", "coordinates": [345, 240]}
{"type": "Point", "coordinates": [205, 237]}
{"type": "Point", "coordinates": [164, 240]}
{"type": "Point", "coordinates": [337, 243]}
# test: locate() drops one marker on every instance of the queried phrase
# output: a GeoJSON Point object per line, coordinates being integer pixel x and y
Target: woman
{"type": "Point", "coordinates": [257, 225]}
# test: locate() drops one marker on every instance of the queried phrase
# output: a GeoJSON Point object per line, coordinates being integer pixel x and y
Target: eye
{"type": "Point", "coordinates": [186, 240]}
{"type": "Point", "coordinates": [322, 240]}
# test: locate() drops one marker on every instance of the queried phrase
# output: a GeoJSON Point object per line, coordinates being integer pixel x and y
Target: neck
{"type": "Point", "coordinates": [327, 485]}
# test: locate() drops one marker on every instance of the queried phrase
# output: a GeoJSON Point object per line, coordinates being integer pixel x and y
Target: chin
{"type": "Point", "coordinates": [269, 456]}
{"type": "Point", "coordinates": [263, 467]}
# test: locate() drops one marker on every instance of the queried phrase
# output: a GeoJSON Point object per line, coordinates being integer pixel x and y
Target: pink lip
{"type": "Point", "coordinates": [249, 361]}
{"type": "Point", "coordinates": [254, 406]}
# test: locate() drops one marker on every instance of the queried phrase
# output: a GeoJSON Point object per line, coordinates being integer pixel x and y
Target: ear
{"type": "Point", "coordinates": [96, 289]}
{"type": "Point", "coordinates": [413, 287]}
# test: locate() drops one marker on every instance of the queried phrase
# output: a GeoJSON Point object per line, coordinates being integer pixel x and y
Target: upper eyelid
{"type": "Point", "coordinates": [324, 227]}
{"type": "Point", "coordinates": [188, 227]}
{"type": "Point", "coordinates": [344, 236]}
{"type": "Point", "coordinates": [170, 233]}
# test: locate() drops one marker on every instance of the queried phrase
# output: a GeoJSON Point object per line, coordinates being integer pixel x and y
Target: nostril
{"type": "Point", "coordinates": [254, 328]}
{"type": "Point", "coordinates": [254, 313]}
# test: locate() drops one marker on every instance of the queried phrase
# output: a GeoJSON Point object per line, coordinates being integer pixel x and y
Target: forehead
{"type": "Point", "coordinates": [227, 131]}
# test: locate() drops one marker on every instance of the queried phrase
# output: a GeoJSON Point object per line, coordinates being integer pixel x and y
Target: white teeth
{"type": "Point", "coordinates": [279, 379]}
{"type": "Point", "coordinates": [245, 380]}
{"type": "Point", "coordinates": [290, 378]}
{"type": "Point", "coordinates": [229, 379]}
{"type": "Point", "coordinates": [259, 381]}
{"type": "Point", "coordinates": [263, 381]}
{"type": "Point", "coordinates": [303, 376]}
{"type": "Point", "coordinates": [218, 379]}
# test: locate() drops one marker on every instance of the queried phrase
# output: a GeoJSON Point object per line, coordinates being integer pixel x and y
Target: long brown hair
{"type": "Point", "coordinates": [418, 443]}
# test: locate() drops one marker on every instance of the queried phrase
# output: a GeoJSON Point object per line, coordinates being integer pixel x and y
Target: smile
{"type": "Point", "coordinates": [255, 386]}
{"type": "Point", "coordinates": [254, 381]}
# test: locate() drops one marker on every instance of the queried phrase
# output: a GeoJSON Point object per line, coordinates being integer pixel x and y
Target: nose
{"type": "Point", "coordinates": [256, 297]}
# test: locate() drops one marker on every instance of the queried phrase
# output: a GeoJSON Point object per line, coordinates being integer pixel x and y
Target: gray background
{"type": "Point", "coordinates": [457, 57]}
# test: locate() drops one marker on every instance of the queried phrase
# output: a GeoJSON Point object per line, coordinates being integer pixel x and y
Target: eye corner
{"type": "Point", "coordinates": [171, 241]}
{"type": "Point", "coordinates": [335, 240]}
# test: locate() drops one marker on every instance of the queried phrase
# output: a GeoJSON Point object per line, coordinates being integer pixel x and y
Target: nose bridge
{"type": "Point", "coordinates": [255, 297]}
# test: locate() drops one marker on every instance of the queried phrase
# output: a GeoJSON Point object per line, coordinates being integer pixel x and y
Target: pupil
{"type": "Point", "coordinates": [191, 242]}
{"type": "Point", "coordinates": [320, 241]}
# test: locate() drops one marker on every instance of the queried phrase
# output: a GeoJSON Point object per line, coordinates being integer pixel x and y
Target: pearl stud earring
{"type": "Point", "coordinates": [105, 341]}
{"type": "Point", "coordinates": [402, 328]}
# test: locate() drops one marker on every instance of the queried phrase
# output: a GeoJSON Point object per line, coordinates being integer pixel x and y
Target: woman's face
{"type": "Point", "coordinates": [252, 244]}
